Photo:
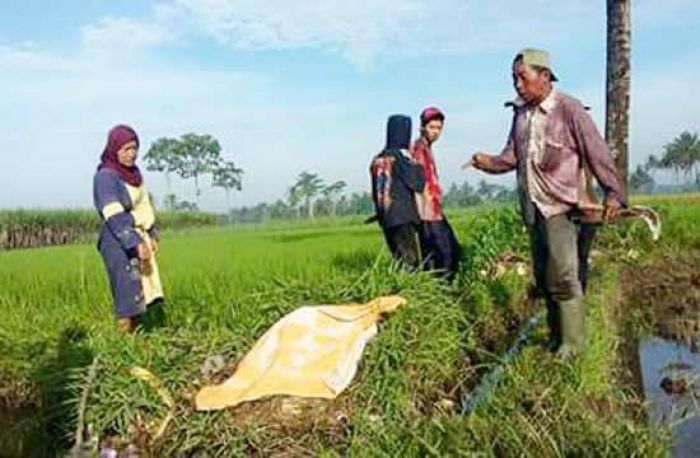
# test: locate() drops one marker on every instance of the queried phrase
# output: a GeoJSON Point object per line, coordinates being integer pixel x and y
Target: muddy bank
{"type": "Point", "coordinates": [664, 296]}
{"type": "Point", "coordinates": [660, 346]}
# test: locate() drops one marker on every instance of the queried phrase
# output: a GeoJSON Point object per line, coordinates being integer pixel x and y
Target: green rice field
{"type": "Point", "coordinates": [226, 285]}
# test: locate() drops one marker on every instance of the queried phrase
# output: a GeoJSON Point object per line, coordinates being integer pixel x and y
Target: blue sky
{"type": "Point", "coordinates": [300, 85]}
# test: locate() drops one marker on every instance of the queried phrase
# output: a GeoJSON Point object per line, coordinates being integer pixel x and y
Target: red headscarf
{"type": "Point", "coordinates": [118, 137]}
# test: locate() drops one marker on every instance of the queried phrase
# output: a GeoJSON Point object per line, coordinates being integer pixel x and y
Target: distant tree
{"type": "Point", "coordinates": [683, 153]}
{"type": "Point", "coordinates": [360, 203]}
{"type": "Point", "coordinates": [505, 194]}
{"type": "Point", "coordinates": [279, 210]}
{"type": "Point", "coordinates": [186, 206]}
{"type": "Point", "coordinates": [331, 192]}
{"type": "Point", "coordinates": [461, 196]}
{"type": "Point", "coordinates": [170, 202]}
{"type": "Point", "coordinates": [229, 177]}
{"type": "Point", "coordinates": [652, 163]}
{"type": "Point", "coordinates": [163, 157]}
{"type": "Point", "coordinates": [681, 157]}
{"type": "Point", "coordinates": [451, 197]}
{"type": "Point", "coordinates": [198, 155]}
{"type": "Point", "coordinates": [641, 180]}
{"type": "Point", "coordinates": [467, 196]}
{"type": "Point", "coordinates": [342, 205]}
{"type": "Point", "coordinates": [294, 198]}
{"type": "Point", "coordinates": [487, 191]}
{"type": "Point", "coordinates": [307, 186]}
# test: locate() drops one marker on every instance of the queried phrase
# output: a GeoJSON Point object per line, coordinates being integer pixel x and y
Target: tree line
{"type": "Point", "coordinates": [310, 196]}
{"type": "Point", "coordinates": [193, 157]}
{"type": "Point", "coordinates": [679, 164]}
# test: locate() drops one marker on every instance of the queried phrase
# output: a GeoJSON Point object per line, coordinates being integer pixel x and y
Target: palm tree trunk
{"type": "Point", "coordinates": [309, 206]}
{"type": "Point", "coordinates": [196, 190]}
{"type": "Point", "coordinates": [168, 182]}
{"type": "Point", "coordinates": [618, 85]}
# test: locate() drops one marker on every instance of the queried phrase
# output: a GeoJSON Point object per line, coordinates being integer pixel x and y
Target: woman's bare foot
{"type": "Point", "coordinates": [126, 325]}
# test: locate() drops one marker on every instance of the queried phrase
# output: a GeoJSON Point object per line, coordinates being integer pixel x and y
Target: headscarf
{"type": "Point", "coordinates": [118, 137]}
{"type": "Point", "coordinates": [398, 132]}
{"type": "Point", "coordinates": [430, 114]}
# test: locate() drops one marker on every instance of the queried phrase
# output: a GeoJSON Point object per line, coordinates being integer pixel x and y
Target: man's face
{"type": "Point", "coordinates": [530, 84]}
{"type": "Point", "coordinates": [432, 130]}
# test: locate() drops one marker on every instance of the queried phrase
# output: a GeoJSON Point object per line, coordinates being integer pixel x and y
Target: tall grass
{"type": "Point", "coordinates": [38, 228]}
{"type": "Point", "coordinates": [225, 287]}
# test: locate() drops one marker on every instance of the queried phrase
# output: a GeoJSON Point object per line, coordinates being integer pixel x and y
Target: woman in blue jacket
{"type": "Point", "coordinates": [128, 240]}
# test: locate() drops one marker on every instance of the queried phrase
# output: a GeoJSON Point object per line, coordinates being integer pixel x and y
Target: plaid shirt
{"type": "Point", "coordinates": [555, 148]}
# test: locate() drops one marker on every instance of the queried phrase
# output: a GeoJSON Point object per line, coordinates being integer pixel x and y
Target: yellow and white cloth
{"type": "Point", "coordinates": [313, 351]}
{"type": "Point", "coordinates": [145, 218]}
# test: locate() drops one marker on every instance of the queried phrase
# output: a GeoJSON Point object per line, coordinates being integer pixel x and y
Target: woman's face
{"type": "Point", "coordinates": [128, 153]}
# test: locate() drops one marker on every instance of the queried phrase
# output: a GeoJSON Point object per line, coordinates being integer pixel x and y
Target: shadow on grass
{"type": "Point", "coordinates": [154, 318]}
{"type": "Point", "coordinates": [298, 236]}
{"type": "Point", "coordinates": [47, 429]}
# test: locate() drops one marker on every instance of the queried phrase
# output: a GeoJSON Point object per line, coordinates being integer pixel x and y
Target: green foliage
{"type": "Point", "coordinates": [228, 177]}
{"type": "Point", "coordinates": [163, 156]}
{"type": "Point", "coordinates": [641, 180]}
{"type": "Point", "coordinates": [192, 156]}
{"type": "Point", "coordinates": [683, 153]}
{"type": "Point", "coordinates": [682, 156]}
{"type": "Point", "coordinates": [306, 188]}
{"type": "Point", "coordinates": [226, 286]}
{"type": "Point", "coordinates": [37, 228]}
{"type": "Point", "coordinates": [198, 155]}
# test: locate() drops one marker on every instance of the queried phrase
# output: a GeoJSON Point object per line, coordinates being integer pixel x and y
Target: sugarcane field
{"type": "Point", "coordinates": [374, 229]}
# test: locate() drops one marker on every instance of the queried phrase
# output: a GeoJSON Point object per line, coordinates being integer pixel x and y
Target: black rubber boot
{"type": "Point", "coordinates": [554, 323]}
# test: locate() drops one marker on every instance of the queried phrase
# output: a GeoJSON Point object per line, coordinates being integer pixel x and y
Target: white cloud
{"type": "Point", "coordinates": [28, 57]}
{"type": "Point", "coordinates": [124, 34]}
{"type": "Point", "coordinates": [363, 30]}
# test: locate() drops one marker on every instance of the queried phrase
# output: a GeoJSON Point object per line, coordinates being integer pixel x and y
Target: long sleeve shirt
{"type": "Point", "coordinates": [556, 148]}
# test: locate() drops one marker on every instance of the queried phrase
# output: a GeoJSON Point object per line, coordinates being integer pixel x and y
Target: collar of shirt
{"type": "Point", "coordinates": [424, 141]}
{"type": "Point", "coordinates": [546, 105]}
{"type": "Point", "coordinates": [549, 102]}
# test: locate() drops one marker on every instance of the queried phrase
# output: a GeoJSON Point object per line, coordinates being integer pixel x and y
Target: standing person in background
{"type": "Point", "coordinates": [555, 147]}
{"type": "Point", "coordinates": [395, 180]}
{"type": "Point", "coordinates": [128, 240]}
{"type": "Point", "coordinates": [439, 245]}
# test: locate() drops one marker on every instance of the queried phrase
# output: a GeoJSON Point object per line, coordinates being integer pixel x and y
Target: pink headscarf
{"type": "Point", "coordinates": [118, 137]}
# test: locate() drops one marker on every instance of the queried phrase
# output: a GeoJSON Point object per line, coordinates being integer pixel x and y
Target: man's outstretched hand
{"type": "Point", "coordinates": [480, 161]}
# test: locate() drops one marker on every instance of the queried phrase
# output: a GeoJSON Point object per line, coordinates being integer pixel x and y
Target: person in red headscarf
{"type": "Point", "coordinates": [439, 246]}
{"type": "Point", "coordinates": [128, 239]}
